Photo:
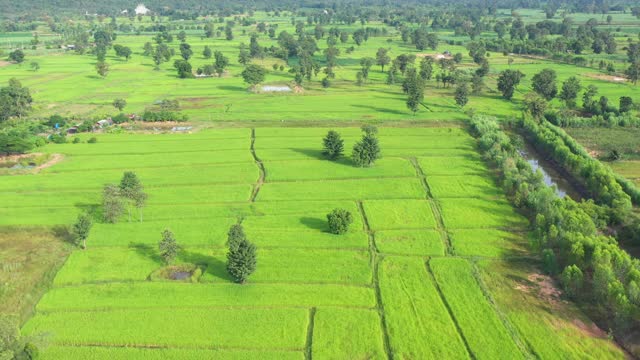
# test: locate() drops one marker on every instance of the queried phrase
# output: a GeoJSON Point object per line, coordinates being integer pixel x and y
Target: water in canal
{"type": "Point", "coordinates": [551, 175]}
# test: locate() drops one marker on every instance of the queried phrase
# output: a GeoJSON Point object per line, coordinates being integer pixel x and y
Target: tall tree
{"type": "Point", "coordinates": [235, 235]}
{"type": "Point", "coordinates": [112, 204]}
{"type": "Point", "coordinates": [184, 69]}
{"type": "Point", "coordinates": [333, 145]}
{"type": "Point", "coordinates": [168, 247]}
{"type": "Point", "coordinates": [254, 74]}
{"type": "Point", "coordinates": [382, 58]}
{"type": "Point", "coordinates": [367, 150]}
{"type": "Point", "coordinates": [220, 63]}
{"type": "Point", "coordinates": [569, 92]}
{"type": "Point", "coordinates": [81, 229]}
{"type": "Point", "coordinates": [132, 191]}
{"type": "Point", "coordinates": [241, 261]}
{"type": "Point", "coordinates": [206, 53]}
{"type": "Point", "coordinates": [102, 68]}
{"type": "Point", "coordinates": [544, 83]}
{"type": "Point", "coordinates": [462, 94]}
{"type": "Point", "coordinates": [15, 100]}
{"type": "Point", "coordinates": [508, 80]}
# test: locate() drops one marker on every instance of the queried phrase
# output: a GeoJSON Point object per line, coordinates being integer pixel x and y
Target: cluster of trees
{"type": "Point", "coordinates": [598, 179]}
{"type": "Point", "coordinates": [15, 100]}
{"type": "Point", "coordinates": [365, 152]}
{"type": "Point", "coordinates": [591, 266]}
{"type": "Point", "coordinates": [124, 196]}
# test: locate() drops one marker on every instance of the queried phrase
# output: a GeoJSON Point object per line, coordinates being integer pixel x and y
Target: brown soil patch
{"type": "Point", "coordinates": [4, 63]}
{"type": "Point", "coordinates": [435, 56]}
{"type": "Point", "coordinates": [605, 77]}
{"type": "Point", "coordinates": [591, 330]}
{"type": "Point", "coordinates": [543, 287]}
{"type": "Point", "coordinates": [54, 159]}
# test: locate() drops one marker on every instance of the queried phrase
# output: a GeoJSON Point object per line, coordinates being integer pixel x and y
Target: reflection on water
{"type": "Point", "coordinates": [551, 177]}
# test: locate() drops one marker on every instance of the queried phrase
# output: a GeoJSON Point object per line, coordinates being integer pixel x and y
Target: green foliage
{"type": "Point", "coordinates": [15, 100]}
{"type": "Point", "coordinates": [339, 221]}
{"type": "Point", "coordinates": [119, 104]}
{"type": "Point", "coordinates": [102, 68]}
{"type": "Point", "coordinates": [544, 83]}
{"type": "Point", "coordinates": [184, 69]}
{"type": "Point", "coordinates": [112, 204]}
{"type": "Point", "coordinates": [570, 89]}
{"type": "Point", "coordinates": [235, 236]}
{"type": "Point", "coordinates": [333, 145]}
{"type": "Point", "coordinates": [253, 74]}
{"type": "Point", "coordinates": [366, 151]}
{"type": "Point", "coordinates": [17, 56]}
{"type": "Point", "coordinates": [572, 281]}
{"type": "Point", "coordinates": [81, 229]}
{"type": "Point", "coordinates": [549, 262]}
{"type": "Point", "coordinates": [508, 80]}
{"type": "Point", "coordinates": [462, 94]}
{"type": "Point", "coordinates": [535, 104]}
{"type": "Point", "coordinates": [241, 261]}
{"type": "Point", "coordinates": [168, 247]}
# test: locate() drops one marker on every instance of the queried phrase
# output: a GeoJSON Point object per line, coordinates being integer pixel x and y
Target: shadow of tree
{"type": "Point", "coordinates": [212, 264]}
{"type": "Point", "coordinates": [315, 223]}
{"type": "Point", "coordinates": [148, 251]}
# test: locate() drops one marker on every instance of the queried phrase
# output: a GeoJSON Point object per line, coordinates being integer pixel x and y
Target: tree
{"type": "Point", "coordinates": [535, 104]}
{"type": "Point", "coordinates": [255, 50]}
{"type": "Point", "coordinates": [569, 92]}
{"type": "Point", "coordinates": [241, 261]}
{"type": "Point", "coordinates": [544, 83]}
{"type": "Point", "coordinates": [626, 104]}
{"type": "Point", "coordinates": [220, 63]}
{"type": "Point", "coordinates": [508, 80]}
{"type": "Point", "coordinates": [16, 56]}
{"type": "Point", "coordinates": [633, 72]}
{"type": "Point", "coordinates": [119, 104]}
{"type": "Point", "coordinates": [207, 52]}
{"type": "Point", "coordinates": [339, 221]}
{"type": "Point", "coordinates": [182, 36]}
{"type": "Point", "coordinates": [572, 280]}
{"type": "Point", "coordinates": [112, 204]}
{"type": "Point", "coordinates": [185, 51]}
{"type": "Point", "coordinates": [426, 68]}
{"type": "Point", "coordinates": [102, 68]}
{"type": "Point", "coordinates": [132, 191]}
{"type": "Point", "coordinates": [122, 51]}
{"type": "Point", "coordinates": [168, 247]}
{"type": "Point", "coordinates": [477, 84]}
{"type": "Point", "coordinates": [228, 33]}
{"type": "Point", "coordinates": [253, 74]}
{"type": "Point", "coordinates": [333, 145]}
{"type": "Point", "coordinates": [366, 151]}
{"type": "Point", "coordinates": [184, 69]}
{"type": "Point", "coordinates": [244, 57]}
{"type": "Point", "coordinates": [235, 236]}
{"type": "Point", "coordinates": [413, 86]}
{"type": "Point", "coordinates": [35, 66]}
{"type": "Point", "coordinates": [462, 94]}
{"type": "Point", "coordinates": [382, 58]}
{"type": "Point", "coordinates": [81, 229]}
{"type": "Point", "coordinates": [15, 100]}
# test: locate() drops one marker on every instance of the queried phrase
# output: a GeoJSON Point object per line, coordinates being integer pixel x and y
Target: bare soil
{"type": "Point", "coordinates": [605, 77]}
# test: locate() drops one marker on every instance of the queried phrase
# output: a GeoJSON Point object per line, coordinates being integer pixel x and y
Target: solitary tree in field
{"type": "Point", "coordinates": [508, 81]}
{"type": "Point", "coordinates": [235, 236]}
{"type": "Point", "coordinates": [168, 247]}
{"type": "Point", "coordinates": [220, 63]}
{"type": "Point", "coordinates": [102, 68]}
{"type": "Point", "coordinates": [569, 92]}
{"type": "Point", "coordinates": [184, 69]}
{"type": "Point", "coordinates": [339, 221]}
{"type": "Point", "coordinates": [35, 66]}
{"type": "Point", "coordinates": [382, 58]}
{"type": "Point", "coordinates": [333, 145]}
{"type": "Point", "coordinates": [462, 94]}
{"type": "Point", "coordinates": [17, 56]}
{"type": "Point", "coordinates": [207, 52]}
{"type": "Point", "coordinates": [119, 104]}
{"type": "Point", "coordinates": [366, 151]}
{"type": "Point", "coordinates": [366, 64]}
{"type": "Point", "coordinates": [241, 261]}
{"type": "Point", "coordinates": [112, 204]}
{"type": "Point", "coordinates": [544, 83]}
{"type": "Point", "coordinates": [132, 191]}
{"type": "Point", "coordinates": [254, 74]}
{"type": "Point", "coordinates": [81, 229]}
{"type": "Point", "coordinates": [413, 86]}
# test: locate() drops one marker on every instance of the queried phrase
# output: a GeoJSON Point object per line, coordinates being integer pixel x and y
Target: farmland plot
{"type": "Point", "coordinates": [391, 286]}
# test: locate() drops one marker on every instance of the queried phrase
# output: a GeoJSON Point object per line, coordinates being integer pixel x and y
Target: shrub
{"type": "Point", "coordinates": [59, 138]}
{"type": "Point", "coordinates": [339, 221]}
{"type": "Point", "coordinates": [120, 118]}
{"type": "Point", "coordinates": [76, 140]}
{"type": "Point", "coordinates": [92, 140]}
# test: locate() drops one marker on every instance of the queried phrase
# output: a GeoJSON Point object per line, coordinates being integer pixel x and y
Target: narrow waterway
{"type": "Point", "coordinates": [551, 176]}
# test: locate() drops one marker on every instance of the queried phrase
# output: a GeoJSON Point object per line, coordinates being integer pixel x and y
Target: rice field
{"type": "Point", "coordinates": [412, 278]}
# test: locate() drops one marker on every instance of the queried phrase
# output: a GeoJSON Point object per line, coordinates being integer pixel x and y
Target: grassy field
{"type": "Point", "coordinates": [403, 281]}
{"type": "Point", "coordinates": [68, 84]}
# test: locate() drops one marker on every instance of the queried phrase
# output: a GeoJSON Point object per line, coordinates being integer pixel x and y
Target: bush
{"type": "Point", "coordinates": [120, 118]}
{"type": "Point", "coordinates": [76, 140]}
{"type": "Point", "coordinates": [163, 115]}
{"type": "Point", "coordinates": [59, 138]}
{"type": "Point", "coordinates": [339, 221]}
{"type": "Point", "coordinates": [31, 351]}
{"type": "Point", "coordinates": [92, 140]}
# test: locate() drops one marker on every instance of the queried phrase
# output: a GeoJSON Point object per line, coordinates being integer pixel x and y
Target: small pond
{"type": "Point", "coordinates": [274, 88]}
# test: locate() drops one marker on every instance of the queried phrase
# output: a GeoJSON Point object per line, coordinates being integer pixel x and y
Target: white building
{"type": "Point", "coordinates": [142, 10]}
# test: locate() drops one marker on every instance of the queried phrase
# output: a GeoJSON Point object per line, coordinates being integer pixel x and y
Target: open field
{"type": "Point", "coordinates": [68, 84]}
{"type": "Point", "coordinates": [402, 282]}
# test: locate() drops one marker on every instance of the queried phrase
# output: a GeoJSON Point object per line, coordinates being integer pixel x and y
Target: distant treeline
{"type": "Point", "coordinates": [29, 9]}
